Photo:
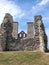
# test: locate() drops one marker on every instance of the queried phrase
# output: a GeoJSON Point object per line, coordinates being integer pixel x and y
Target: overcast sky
{"type": "Point", "coordinates": [24, 11]}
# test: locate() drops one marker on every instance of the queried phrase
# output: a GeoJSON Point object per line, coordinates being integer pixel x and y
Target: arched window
{"type": "Point", "coordinates": [23, 35]}
{"type": "Point", "coordinates": [20, 35]}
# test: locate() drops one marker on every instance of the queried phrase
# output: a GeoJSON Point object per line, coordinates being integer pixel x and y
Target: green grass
{"type": "Point", "coordinates": [23, 58]}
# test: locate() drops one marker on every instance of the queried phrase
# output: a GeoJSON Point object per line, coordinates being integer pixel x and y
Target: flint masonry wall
{"type": "Point", "coordinates": [6, 32]}
{"type": "Point", "coordinates": [9, 40]}
{"type": "Point", "coordinates": [36, 26]}
{"type": "Point", "coordinates": [0, 44]}
{"type": "Point", "coordinates": [40, 35]}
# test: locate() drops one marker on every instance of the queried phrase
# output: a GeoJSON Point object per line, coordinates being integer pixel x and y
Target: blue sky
{"type": "Point", "coordinates": [23, 11]}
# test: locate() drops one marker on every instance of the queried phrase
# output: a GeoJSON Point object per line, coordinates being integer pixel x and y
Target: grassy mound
{"type": "Point", "coordinates": [23, 58]}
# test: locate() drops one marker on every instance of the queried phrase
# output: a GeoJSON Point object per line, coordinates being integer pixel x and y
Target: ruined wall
{"type": "Point", "coordinates": [0, 44]}
{"type": "Point", "coordinates": [37, 41]}
{"type": "Point", "coordinates": [9, 40]}
{"type": "Point", "coordinates": [40, 34]}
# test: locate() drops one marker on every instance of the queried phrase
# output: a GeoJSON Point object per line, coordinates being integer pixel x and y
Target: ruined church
{"type": "Point", "coordinates": [34, 39]}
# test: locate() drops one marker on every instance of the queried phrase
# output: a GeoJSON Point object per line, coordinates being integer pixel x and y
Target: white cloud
{"type": "Point", "coordinates": [35, 9]}
{"type": "Point", "coordinates": [39, 6]}
{"type": "Point", "coordinates": [43, 2]}
{"type": "Point", "coordinates": [21, 15]}
{"type": "Point", "coordinates": [46, 20]}
{"type": "Point", "coordinates": [9, 7]}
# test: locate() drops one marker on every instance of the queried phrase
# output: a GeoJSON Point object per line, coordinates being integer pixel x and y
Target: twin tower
{"type": "Point", "coordinates": [34, 39]}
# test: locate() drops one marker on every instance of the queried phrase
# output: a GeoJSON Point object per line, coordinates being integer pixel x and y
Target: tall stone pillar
{"type": "Point", "coordinates": [37, 41]}
{"type": "Point", "coordinates": [15, 30]}
{"type": "Point", "coordinates": [30, 30]}
{"type": "Point", "coordinates": [40, 34]}
{"type": "Point", "coordinates": [6, 30]}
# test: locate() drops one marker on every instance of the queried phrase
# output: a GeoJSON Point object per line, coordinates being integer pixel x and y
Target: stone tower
{"type": "Point", "coordinates": [40, 35]}
{"type": "Point", "coordinates": [15, 30]}
{"type": "Point", "coordinates": [30, 30]}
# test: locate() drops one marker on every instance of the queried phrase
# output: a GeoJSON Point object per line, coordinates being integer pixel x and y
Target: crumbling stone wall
{"type": "Point", "coordinates": [35, 41]}
{"type": "Point", "coordinates": [7, 41]}
{"type": "Point", "coordinates": [40, 35]}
